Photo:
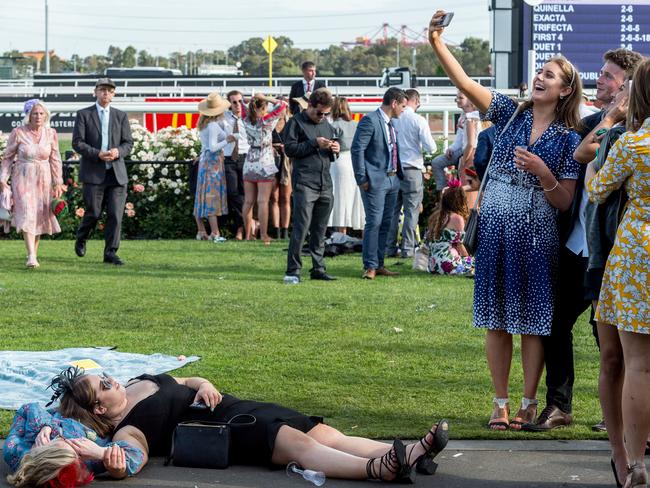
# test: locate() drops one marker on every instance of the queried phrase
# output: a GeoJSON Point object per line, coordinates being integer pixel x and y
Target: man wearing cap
{"type": "Point", "coordinates": [304, 87]}
{"type": "Point", "coordinates": [102, 137]}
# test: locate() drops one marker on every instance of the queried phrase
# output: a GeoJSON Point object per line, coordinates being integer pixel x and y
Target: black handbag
{"type": "Point", "coordinates": [470, 240]}
{"type": "Point", "coordinates": [204, 444]}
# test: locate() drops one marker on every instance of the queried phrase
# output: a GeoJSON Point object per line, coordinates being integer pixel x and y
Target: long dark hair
{"type": "Point", "coordinates": [452, 200]}
{"type": "Point", "coordinates": [639, 106]}
{"type": "Point", "coordinates": [78, 400]}
{"type": "Point", "coordinates": [256, 103]}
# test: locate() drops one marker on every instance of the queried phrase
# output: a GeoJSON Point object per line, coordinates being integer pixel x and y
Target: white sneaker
{"type": "Point", "coordinates": [291, 280]}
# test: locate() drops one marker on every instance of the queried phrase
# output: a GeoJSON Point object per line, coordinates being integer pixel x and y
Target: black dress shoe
{"type": "Point", "coordinates": [550, 418]}
{"type": "Point", "coordinates": [322, 276]}
{"type": "Point", "coordinates": [113, 259]}
{"type": "Point", "coordinates": [80, 248]}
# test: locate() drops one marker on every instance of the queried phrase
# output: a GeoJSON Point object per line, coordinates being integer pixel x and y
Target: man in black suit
{"type": "Point", "coordinates": [103, 138]}
{"type": "Point", "coordinates": [305, 86]}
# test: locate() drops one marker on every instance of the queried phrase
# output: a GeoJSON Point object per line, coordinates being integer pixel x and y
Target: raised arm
{"type": "Point", "coordinates": [479, 95]}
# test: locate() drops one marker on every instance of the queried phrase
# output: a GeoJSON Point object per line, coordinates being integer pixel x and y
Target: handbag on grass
{"type": "Point", "coordinates": [204, 444]}
{"type": "Point", "coordinates": [470, 241]}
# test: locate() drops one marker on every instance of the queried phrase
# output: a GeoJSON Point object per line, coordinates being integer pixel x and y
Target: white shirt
{"type": "Point", "coordinates": [413, 134]}
{"type": "Point", "coordinates": [460, 142]}
{"type": "Point", "coordinates": [577, 242]}
{"type": "Point", "coordinates": [386, 120]}
{"type": "Point", "coordinates": [229, 123]}
{"type": "Point", "coordinates": [304, 85]}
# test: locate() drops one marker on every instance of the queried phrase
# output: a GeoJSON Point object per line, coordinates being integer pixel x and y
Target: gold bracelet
{"type": "Point", "coordinates": [551, 189]}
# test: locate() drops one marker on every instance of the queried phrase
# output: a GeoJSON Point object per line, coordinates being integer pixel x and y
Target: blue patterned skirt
{"type": "Point", "coordinates": [211, 195]}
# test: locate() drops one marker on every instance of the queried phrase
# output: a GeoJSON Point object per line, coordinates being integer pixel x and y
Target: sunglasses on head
{"type": "Point", "coordinates": [105, 382]}
{"type": "Point", "coordinates": [322, 114]}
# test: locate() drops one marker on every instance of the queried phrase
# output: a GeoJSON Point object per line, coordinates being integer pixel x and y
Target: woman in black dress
{"type": "Point", "coordinates": [146, 411]}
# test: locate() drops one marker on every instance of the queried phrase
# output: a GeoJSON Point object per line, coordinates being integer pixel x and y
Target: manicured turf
{"type": "Point", "coordinates": [381, 359]}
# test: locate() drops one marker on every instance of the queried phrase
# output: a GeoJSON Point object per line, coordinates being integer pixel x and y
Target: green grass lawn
{"type": "Point", "coordinates": [331, 349]}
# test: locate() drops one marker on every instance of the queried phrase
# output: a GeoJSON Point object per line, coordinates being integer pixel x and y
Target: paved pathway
{"type": "Point", "coordinates": [464, 464]}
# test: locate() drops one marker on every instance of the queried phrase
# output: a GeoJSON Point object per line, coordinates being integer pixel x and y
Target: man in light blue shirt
{"type": "Point", "coordinates": [413, 136]}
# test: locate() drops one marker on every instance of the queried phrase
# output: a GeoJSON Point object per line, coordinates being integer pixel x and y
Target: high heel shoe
{"type": "Point", "coordinates": [439, 438]}
{"type": "Point", "coordinates": [32, 262]}
{"type": "Point", "coordinates": [637, 476]}
{"type": "Point", "coordinates": [392, 466]}
{"type": "Point", "coordinates": [202, 236]}
{"type": "Point", "coordinates": [613, 465]}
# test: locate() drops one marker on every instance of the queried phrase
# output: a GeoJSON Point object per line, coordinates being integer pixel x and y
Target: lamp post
{"type": "Point", "coordinates": [47, 52]}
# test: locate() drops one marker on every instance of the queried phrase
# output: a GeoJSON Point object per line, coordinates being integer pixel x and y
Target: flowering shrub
{"type": "Point", "coordinates": [159, 204]}
{"type": "Point", "coordinates": [3, 142]}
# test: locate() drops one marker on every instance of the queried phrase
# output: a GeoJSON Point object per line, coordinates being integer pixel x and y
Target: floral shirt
{"type": "Point", "coordinates": [32, 417]}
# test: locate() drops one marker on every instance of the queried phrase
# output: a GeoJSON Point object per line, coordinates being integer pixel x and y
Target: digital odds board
{"type": "Point", "coordinates": [583, 31]}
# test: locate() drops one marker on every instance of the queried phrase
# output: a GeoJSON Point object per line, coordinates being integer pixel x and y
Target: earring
{"type": "Point", "coordinates": [561, 97]}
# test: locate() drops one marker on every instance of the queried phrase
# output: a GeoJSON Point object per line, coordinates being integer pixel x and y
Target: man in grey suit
{"type": "Point", "coordinates": [377, 169]}
{"type": "Point", "coordinates": [103, 138]}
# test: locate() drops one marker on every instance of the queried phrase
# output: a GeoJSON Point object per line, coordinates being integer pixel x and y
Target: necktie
{"type": "Point", "coordinates": [308, 87]}
{"type": "Point", "coordinates": [104, 121]}
{"type": "Point", "coordinates": [235, 150]}
{"type": "Point", "coordinates": [393, 152]}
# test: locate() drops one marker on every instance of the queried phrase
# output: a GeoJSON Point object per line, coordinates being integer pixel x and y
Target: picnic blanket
{"type": "Point", "coordinates": [25, 375]}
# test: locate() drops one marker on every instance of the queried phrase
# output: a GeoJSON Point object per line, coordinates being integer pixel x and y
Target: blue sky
{"type": "Point", "coordinates": [162, 26]}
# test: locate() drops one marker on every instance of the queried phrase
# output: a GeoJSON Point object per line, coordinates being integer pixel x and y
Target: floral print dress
{"type": "Point", "coordinates": [211, 194]}
{"type": "Point", "coordinates": [625, 297]}
{"type": "Point", "coordinates": [31, 418]}
{"type": "Point", "coordinates": [444, 258]}
{"type": "Point", "coordinates": [34, 167]}
{"type": "Point", "coordinates": [260, 162]}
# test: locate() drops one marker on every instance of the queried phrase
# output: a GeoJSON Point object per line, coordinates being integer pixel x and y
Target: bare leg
{"type": "Point", "coordinates": [532, 362]}
{"type": "Point", "coordinates": [250, 195]}
{"type": "Point", "coordinates": [285, 205]}
{"type": "Point", "coordinates": [200, 228]}
{"type": "Point", "coordinates": [263, 194]}
{"type": "Point", "coordinates": [610, 388]}
{"type": "Point", "coordinates": [274, 204]}
{"type": "Point", "coordinates": [357, 446]}
{"type": "Point", "coordinates": [636, 393]}
{"type": "Point", "coordinates": [214, 226]}
{"type": "Point", "coordinates": [37, 241]}
{"type": "Point", "coordinates": [342, 230]}
{"type": "Point", "coordinates": [498, 345]}
{"type": "Point", "coordinates": [293, 445]}
{"type": "Point", "coordinates": [30, 244]}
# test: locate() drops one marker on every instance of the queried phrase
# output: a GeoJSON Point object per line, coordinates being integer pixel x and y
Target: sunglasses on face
{"type": "Point", "coordinates": [322, 114]}
{"type": "Point", "coordinates": [105, 382]}
{"type": "Point", "coordinates": [236, 102]}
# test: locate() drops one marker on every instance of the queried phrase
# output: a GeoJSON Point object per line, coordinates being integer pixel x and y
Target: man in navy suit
{"type": "Point", "coordinates": [304, 87]}
{"type": "Point", "coordinates": [102, 136]}
{"type": "Point", "coordinates": [377, 169]}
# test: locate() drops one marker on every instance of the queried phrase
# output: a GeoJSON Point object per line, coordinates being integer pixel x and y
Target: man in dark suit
{"type": "Point", "coordinates": [103, 138]}
{"type": "Point", "coordinates": [377, 169]}
{"type": "Point", "coordinates": [305, 86]}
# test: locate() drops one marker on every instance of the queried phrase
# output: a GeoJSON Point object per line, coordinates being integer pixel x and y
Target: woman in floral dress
{"type": "Point", "coordinates": [211, 195]}
{"type": "Point", "coordinates": [444, 238]}
{"type": "Point", "coordinates": [259, 167]}
{"type": "Point", "coordinates": [531, 179]}
{"type": "Point", "coordinates": [41, 442]}
{"type": "Point", "coordinates": [33, 163]}
{"type": "Point", "coordinates": [624, 299]}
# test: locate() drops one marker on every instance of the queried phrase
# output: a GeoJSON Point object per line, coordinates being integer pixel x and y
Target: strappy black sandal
{"type": "Point", "coordinates": [393, 462]}
{"type": "Point", "coordinates": [424, 464]}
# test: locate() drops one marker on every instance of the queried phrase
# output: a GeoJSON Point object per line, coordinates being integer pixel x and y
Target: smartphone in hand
{"type": "Point", "coordinates": [445, 20]}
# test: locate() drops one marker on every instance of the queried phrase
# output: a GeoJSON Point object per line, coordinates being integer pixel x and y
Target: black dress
{"type": "Point", "coordinates": [157, 416]}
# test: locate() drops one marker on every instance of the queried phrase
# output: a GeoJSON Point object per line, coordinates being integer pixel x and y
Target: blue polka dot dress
{"type": "Point", "coordinates": [518, 244]}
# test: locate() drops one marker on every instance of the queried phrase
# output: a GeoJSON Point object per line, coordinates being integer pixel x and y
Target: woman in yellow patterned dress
{"type": "Point", "coordinates": [625, 297]}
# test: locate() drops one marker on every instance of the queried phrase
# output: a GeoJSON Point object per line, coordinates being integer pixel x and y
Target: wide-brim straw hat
{"type": "Point", "coordinates": [213, 105]}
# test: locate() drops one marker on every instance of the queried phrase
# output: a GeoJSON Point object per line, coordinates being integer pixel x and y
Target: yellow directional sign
{"type": "Point", "coordinates": [269, 44]}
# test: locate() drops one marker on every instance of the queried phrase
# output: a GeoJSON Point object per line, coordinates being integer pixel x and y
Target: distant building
{"type": "Point", "coordinates": [8, 67]}
{"type": "Point", "coordinates": [219, 70]}
{"type": "Point", "coordinates": [38, 56]}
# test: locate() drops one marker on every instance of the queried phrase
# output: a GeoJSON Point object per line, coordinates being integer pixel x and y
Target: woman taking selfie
{"type": "Point", "coordinates": [531, 177]}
